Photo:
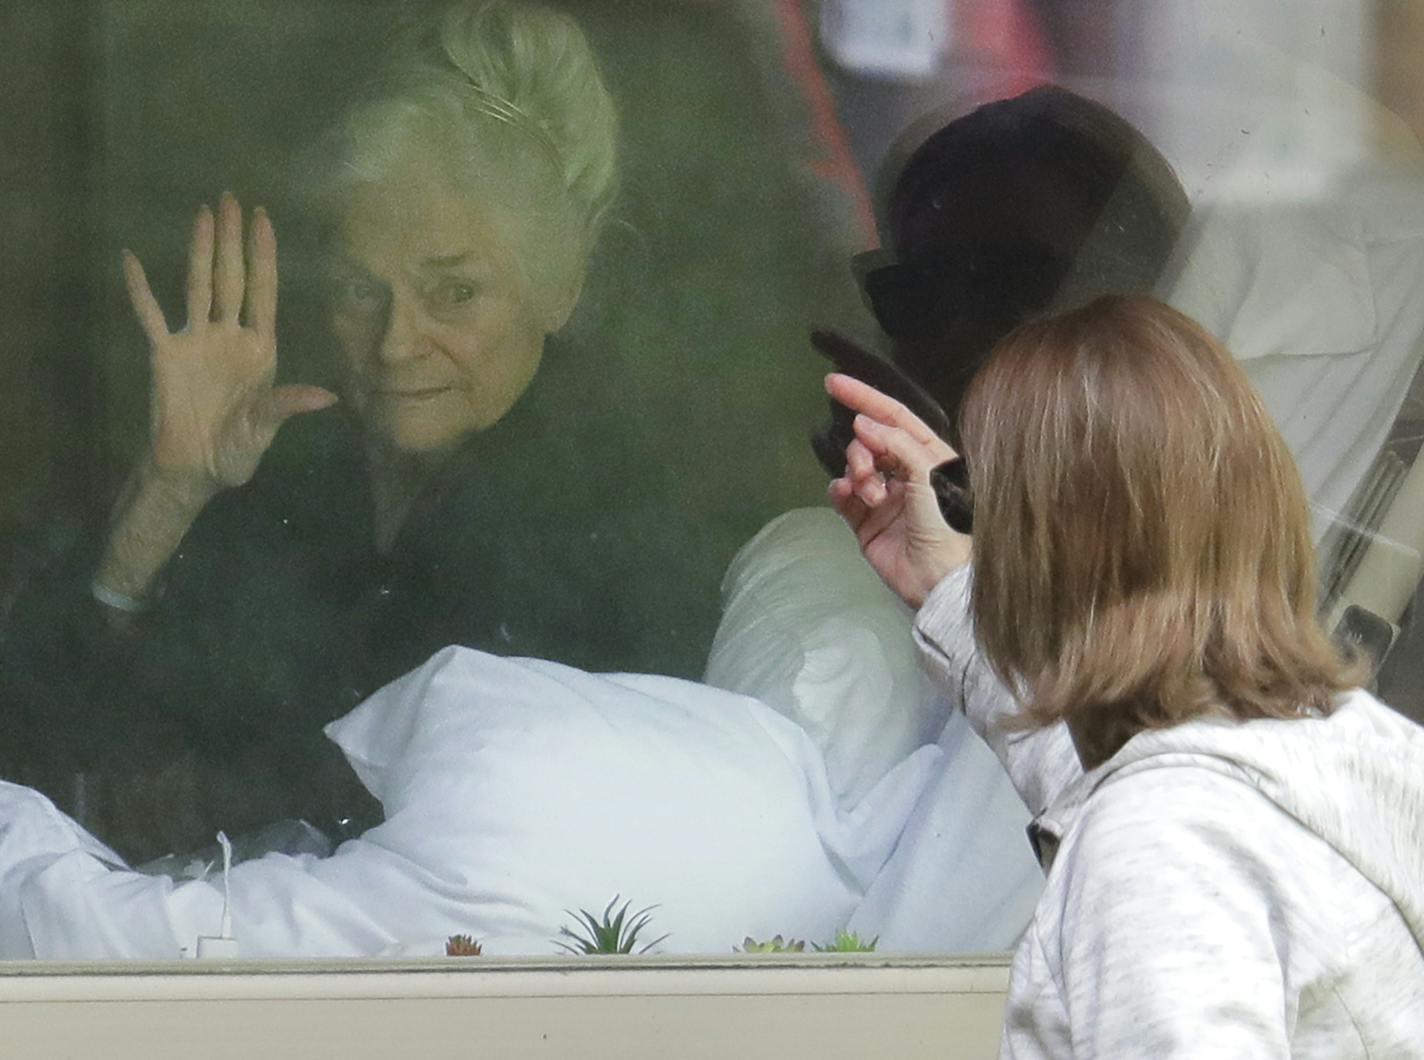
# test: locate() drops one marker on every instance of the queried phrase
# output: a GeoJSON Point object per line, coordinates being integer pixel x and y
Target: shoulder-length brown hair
{"type": "Point", "coordinates": [1142, 546]}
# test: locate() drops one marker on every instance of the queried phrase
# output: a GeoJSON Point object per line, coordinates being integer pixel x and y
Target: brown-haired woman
{"type": "Point", "coordinates": [1239, 869]}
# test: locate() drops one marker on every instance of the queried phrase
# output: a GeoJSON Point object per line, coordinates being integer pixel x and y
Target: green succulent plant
{"type": "Point", "coordinates": [776, 944]}
{"type": "Point", "coordinates": [613, 932]}
{"type": "Point", "coordinates": [847, 942]}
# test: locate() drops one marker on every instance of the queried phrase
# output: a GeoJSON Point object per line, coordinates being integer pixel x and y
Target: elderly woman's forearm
{"type": "Point", "coordinates": [150, 521]}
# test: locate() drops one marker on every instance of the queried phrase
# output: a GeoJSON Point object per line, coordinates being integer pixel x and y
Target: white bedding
{"type": "Point", "coordinates": [515, 790]}
{"type": "Point", "coordinates": [810, 629]}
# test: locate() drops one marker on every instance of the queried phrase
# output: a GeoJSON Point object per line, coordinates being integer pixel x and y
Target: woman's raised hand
{"type": "Point", "coordinates": [885, 494]}
{"type": "Point", "coordinates": [214, 409]}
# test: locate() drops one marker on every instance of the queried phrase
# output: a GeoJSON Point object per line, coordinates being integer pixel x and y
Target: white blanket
{"type": "Point", "coordinates": [809, 628]}
{"type": "Point", "coordinates": [515, 791]}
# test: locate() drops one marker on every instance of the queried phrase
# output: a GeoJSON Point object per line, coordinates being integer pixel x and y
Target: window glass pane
{"type": "Point", "coordinates": [337, 334]}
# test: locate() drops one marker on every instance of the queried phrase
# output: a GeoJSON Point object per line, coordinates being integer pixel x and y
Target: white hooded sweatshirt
{"type": "Point", "coordinates": [1215, 889]}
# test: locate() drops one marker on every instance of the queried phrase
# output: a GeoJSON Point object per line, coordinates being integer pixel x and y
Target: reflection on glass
{"type": "Point", "coordinates": [1040, 201]}
{"type": "Point", "coordinates": [539, 366]}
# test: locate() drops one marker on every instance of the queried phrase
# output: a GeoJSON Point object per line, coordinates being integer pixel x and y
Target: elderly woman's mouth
{"type": "Point", "coordinates": [401, 395]}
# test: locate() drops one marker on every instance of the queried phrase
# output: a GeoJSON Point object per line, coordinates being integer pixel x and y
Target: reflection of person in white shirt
{"type": "Point", "coordinates": [1319, 301]}
{"type": "Point", "coordinates": [1304, 255]}
{"type": "Point", "coordinates": [1238, 870]}
{"type": "Point", "coordinates": [1025, 203]}
{"type": "Point", "coordinates": [1044, 197]}
{"type": "Point", "coordinates": [1042, 200]}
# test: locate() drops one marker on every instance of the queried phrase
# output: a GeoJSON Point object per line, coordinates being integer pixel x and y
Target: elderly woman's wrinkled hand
{"type": "Point", "coordinates": [885, 494]}
{"type": "Point", "coordinates": [214, 408]}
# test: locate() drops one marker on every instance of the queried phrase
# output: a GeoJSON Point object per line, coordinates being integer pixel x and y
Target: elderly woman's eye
{"type": "Point", "coordinates": [452, 294]}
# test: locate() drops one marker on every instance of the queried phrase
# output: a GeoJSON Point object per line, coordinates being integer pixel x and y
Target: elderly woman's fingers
{"type": "Point", "coordinates": [200, 269]}
{"type": "Point", "coordinates": [227, 266]}
{"type": "Point", "coordinates": [281, 403]}
{"type": "Point", "coordinates": [146, 308]}
{"type": "Point", "coordinates": [868, 401]}
{"type": "Point", "coordinates": [261, 311]}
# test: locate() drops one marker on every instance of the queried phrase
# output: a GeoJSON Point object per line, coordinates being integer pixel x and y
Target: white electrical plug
{"type": "Point", "coordinates": [221, 946]}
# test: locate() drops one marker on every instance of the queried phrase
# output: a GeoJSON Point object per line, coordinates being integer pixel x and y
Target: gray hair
{"type": "Point", "coordinates": [500, 99]}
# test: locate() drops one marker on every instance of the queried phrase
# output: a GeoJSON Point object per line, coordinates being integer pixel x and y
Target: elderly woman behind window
{"type": "Point", "coordinates": [172, 677]}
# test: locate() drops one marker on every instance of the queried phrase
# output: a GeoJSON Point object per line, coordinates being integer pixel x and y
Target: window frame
{"type": "Point", "coordinates": [626, 1007]}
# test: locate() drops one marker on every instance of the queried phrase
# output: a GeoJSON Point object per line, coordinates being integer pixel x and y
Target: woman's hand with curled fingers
{"type": "Point", "coordinates": [885, 494]}
{"type": "Point", "coordinates": [214, 409]}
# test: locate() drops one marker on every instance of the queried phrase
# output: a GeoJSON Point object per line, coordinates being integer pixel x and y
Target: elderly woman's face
{"type": "Point", "coordinates": [439, 334]}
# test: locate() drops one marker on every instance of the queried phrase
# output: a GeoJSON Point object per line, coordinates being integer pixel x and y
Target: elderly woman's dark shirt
{"type": "Point", "coordinates": [277, 615]}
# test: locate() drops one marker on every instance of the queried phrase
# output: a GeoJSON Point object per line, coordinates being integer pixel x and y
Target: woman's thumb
{"type": "Point", "coordinates": [284, 402]}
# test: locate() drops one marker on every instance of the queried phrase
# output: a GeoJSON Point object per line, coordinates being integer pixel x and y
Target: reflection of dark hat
{"type": "Point", "coordinates": [994, 211]}
{"type": "Point", "coordinates": [922, 296]}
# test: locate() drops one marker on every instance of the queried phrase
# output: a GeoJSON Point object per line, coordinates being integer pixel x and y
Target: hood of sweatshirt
{"type": "Point", "coordinates": [1354, 778]}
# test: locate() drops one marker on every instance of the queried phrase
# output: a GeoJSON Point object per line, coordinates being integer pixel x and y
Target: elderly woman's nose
{"type": "Point", "coordinates": [402, 339]}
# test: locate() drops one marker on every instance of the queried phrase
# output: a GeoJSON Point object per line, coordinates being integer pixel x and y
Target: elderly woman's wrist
{"type": "Point", "coordinates": [150, 520]}
{"type": "Point", "coordinates": [179, 491]}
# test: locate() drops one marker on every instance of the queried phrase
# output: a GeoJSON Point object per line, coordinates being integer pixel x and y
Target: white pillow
{"type": "Point", "coordinates": [543, 789]}
{"type": "Point", "coordinates": [515, 791]}
{"type": "Point", "coordinates": [808, 628]}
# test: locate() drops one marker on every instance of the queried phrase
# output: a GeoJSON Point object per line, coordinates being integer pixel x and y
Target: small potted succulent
{"type": "Point", "coordinates": [613, 932]}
